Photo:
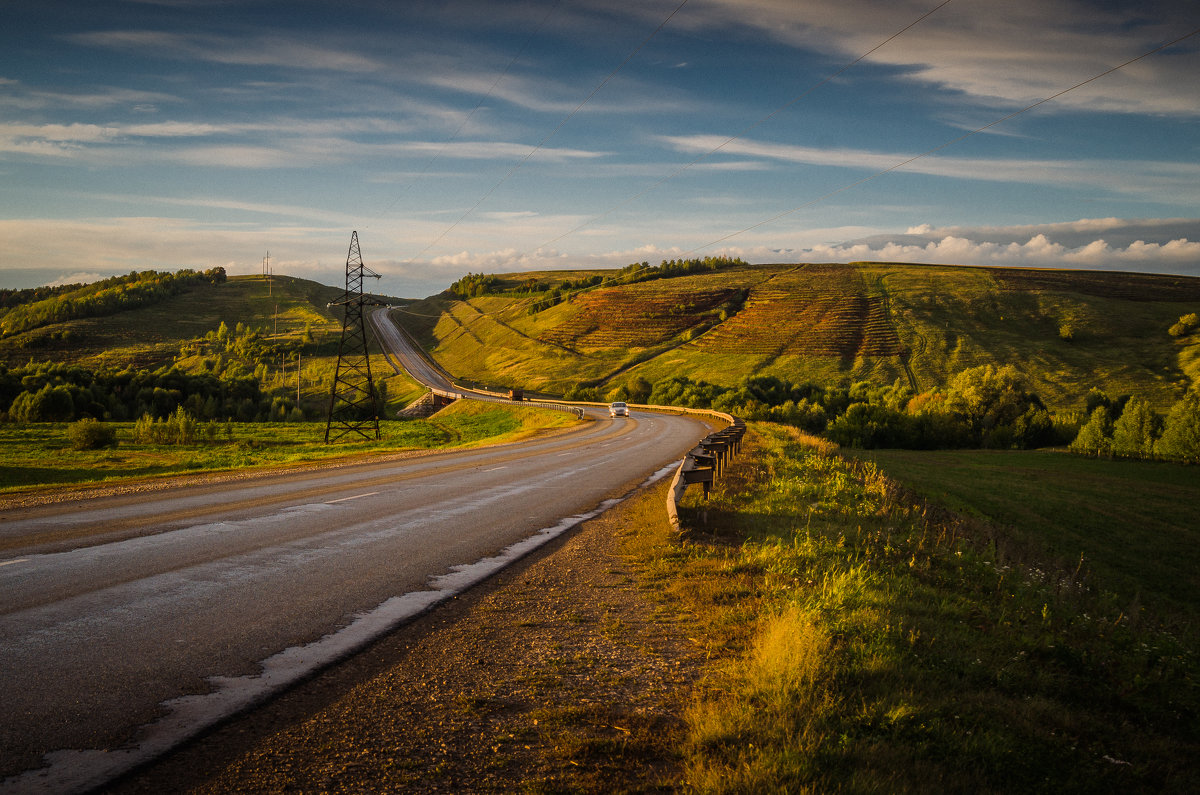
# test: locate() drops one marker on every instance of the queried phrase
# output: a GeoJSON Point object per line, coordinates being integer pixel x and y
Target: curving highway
{"type": "Point", "coordinates": [129, 623]}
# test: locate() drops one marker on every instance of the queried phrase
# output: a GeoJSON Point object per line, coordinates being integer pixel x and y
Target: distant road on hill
{"type": "Point", "coordinates": [184, 605]}
{"type": "Point", "coordinates": [405, 354]}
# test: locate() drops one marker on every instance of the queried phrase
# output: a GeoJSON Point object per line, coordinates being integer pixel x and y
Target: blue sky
{"type": "Point", "coordinates": [459, 135]}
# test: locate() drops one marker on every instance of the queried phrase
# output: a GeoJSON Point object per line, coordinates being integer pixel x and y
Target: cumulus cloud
{"type": "Point", "coordinates": [79, 277]}
{"type": "Point", "coordinates": [318, 251]}
{"type": "Point", "coordinates": [1157, 246]}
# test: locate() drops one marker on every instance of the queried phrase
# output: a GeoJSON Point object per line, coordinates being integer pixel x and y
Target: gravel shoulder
{"type": "Point", "coordinates": [566, 672]}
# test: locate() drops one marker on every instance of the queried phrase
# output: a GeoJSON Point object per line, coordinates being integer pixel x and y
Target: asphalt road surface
{"type": "Point", "coordinates": [156, 614]}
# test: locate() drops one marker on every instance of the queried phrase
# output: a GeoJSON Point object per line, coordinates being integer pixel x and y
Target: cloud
{"type": "Point", "coordinates": [1029, 51]}
{"type": "Point", "coordinates": [1155, 245]}
{"type": "Point", "coordinates": [79, 277]}
{"type": "Point", "coordinates": [292, 144]}
{"type": "Point", "coordinates": [273, 50]}
{"type": "Point", "coordinates": [1141, 177]}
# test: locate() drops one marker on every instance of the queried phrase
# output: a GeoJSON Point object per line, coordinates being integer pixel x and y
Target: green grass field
{"type": "Point", "coordinates": [862, 642]}
{"type": "Point", "coordinates": [1133, 523]}
{"type": "Point", "coordinates": [38, 455]}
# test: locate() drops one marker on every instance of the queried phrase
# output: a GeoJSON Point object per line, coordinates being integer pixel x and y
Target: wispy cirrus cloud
{"type": "Point", "coordinates": [1122, 176]}
{"type": "Point", "coordinates": [275, 50]}
{"type": "Point", "coordinates": [1030, 50]}
{"type": "Point", "coordinates": [293, 143]}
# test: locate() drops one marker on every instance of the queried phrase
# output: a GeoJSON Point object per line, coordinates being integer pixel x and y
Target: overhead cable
{"type": "Point", "coordinates": [947, 144]}
{"type": "Point", "coordinates": [753, 126]}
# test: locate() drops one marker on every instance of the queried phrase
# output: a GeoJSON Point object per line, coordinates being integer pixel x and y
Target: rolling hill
{"type": "Point", "coordinates": [550, 331]}
{"type": "Point", "coordinates": [292, 314]}
{"type": "Point", "coordinates": [1067, 330]}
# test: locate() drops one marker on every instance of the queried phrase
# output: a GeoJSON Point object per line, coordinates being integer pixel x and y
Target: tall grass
{"type": "Point", "coordinates": [865, 641]}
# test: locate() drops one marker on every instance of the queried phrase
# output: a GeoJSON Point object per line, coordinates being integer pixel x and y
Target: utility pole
{"type": "Point", "coordinates": [353, 407]}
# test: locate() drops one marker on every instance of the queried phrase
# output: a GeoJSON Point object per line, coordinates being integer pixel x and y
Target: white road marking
{"type": "Point", "coordinates": [10, 562]}
{"type": "Point", "coordinates": [355, 497]}
{"type": "Point", "coordinates": [496, 469]}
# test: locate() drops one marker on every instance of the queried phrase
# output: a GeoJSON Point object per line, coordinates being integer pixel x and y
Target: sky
{"type": "Point", "coordinates": [464, 135]}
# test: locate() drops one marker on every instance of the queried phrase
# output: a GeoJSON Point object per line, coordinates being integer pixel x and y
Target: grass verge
{"type": "Point", "coordinates": [39, 455]}
{"type": "Point", "coordinates": [862, 640]}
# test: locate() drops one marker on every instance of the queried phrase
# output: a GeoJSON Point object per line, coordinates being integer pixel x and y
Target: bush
{"type": "Point", "coordinates": [1185, 326]}
{"type": "Point", "coordinates": [89, 434]}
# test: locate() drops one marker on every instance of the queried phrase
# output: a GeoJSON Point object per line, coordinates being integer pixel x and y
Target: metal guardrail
{"type": "Point", "coordinates": [493, 397]}
{"type": "Point", "coordinates": [704, 464]}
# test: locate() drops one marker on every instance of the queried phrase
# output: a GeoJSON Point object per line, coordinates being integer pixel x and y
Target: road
{"type": "Point", "coordinates": [162, 612]}
{"type": "Point", "coordinates": [400, 350]}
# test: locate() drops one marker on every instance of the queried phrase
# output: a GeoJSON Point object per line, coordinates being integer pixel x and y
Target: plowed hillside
{"type": "Point", "coordinates": [831, 323]}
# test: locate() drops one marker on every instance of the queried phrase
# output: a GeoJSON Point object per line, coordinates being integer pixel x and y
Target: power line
{"type": "Point", "coordinates": [549, 135]}
{"type": "Point", "coordinates": [947, 144]}
{"type": "Point", "coordinates": [753, 126]}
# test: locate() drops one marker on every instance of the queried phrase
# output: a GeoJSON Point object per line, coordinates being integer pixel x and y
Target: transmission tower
{"type": "Point", "coordinates": [352, 404]}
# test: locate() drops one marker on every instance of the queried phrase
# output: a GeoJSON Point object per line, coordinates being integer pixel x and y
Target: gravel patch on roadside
{"type": "Point", "coordinates": [565, 672]}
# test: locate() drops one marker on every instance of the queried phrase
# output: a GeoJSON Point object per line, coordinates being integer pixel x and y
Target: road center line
{"type": "Point", "coordinates": [496, 469]}
{"type": "Point", "coordinates": [355, 497]}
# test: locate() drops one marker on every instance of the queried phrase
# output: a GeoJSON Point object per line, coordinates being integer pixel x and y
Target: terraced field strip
{"type": "Point", "coordinates": [819, 310]}
{"type": "Point", "coordinates": [636, 317]}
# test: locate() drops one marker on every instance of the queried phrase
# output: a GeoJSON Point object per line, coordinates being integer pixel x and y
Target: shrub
{"type": "Point", "coordinates": [89, 434]}
{"type": "Point", "coordinates": [180, 428]}
{"type": "Point", "coordinates": [1185, 325]}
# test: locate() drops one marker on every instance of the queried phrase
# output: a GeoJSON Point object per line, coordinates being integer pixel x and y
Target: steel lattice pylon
{"type": "Point", "coordinates": [353, 407]}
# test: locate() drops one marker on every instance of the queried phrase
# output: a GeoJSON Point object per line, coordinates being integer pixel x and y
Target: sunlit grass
{"type": "Point", "coordinates": [864, 641]}
{"type": "Point", "coordinates": [40, 455]}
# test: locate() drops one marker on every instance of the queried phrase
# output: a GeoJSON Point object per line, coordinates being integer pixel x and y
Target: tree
{"type": "Point", "coordinates": [1135, 430]}
{"type": "Point", "coordinates": [1181, 433]}
{"type": "Point", "coordinates": [1095, 437]}
{"type": "Point", "coordinates": [48, 404]}
{"type": "Point", "coordinates": [996, 403]}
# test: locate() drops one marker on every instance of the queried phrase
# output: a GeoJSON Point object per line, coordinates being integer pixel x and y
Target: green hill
{"type": "Point", "coordinates": [1066, 330]}
{"type": "Point", "coordinates": [277, 321]}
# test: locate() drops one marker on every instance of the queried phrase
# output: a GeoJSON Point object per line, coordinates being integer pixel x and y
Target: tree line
{"type": "Point", "coordinates": [981, 407]}
{"type": "Point", "coordinates": [474, 285]}
{"type": "Point", "coordinates": [105, 297]}
{"type": "Point", "coordinates": [1129, 428]}
{"type": "Point", "coordinates": [50, 392]}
